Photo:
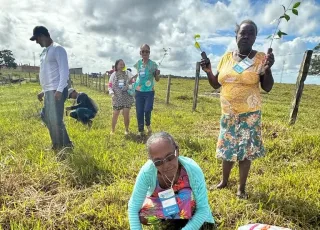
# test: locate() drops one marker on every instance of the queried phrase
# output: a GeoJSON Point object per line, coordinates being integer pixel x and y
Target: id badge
{"type": "Point", "coordinates": [243, 65]}
{"type": "Point", "coordinates": [169, 203]}
{"type": "Point", "coordinates": [121, 83]}
{"type": "Point", "coordinates": [142, 72]}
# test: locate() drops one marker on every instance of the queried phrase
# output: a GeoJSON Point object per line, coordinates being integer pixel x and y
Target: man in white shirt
{"type": "Point", "coordinates": [54, 76]}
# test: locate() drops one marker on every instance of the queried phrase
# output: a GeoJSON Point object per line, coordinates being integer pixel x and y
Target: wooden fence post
{"type": "Point", "coordinates": [168, 89]}
{"type": "Point", "coordinates": [104, 83]}
{"type": "Point", "coordinates": [69, 81]}
{"type": "Point", "coordinates": [196, 87]}
{"type": "Point", "coordinates": [303, 72]}
{"type": "Point", "coordinates": [100, 81]}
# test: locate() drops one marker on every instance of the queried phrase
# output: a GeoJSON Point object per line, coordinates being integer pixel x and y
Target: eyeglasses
{"type": "Point", "coordinates": [145, 51]}
{"type": "Point", "coordinates": [169, 158]}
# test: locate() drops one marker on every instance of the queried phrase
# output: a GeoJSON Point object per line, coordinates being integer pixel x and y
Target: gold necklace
{"type": "Point", "coordinates": [244, 55]}
{"type": "Point", "coordinates": [171, 182]}
{"type": "Point", "coordinates": [165, 181]}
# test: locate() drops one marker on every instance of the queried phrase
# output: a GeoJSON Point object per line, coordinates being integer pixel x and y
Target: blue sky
{"type": "Point", "coordinates": [96, 33]}
{"type": "Point", "coordinates": [303, 32]}
{"type": "Point", "coordinates": [267, 30]}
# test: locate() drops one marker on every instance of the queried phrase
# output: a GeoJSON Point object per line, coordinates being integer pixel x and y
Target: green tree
{"type": "Point", "coordinates": [7, 59]}
{"type": "Point", "coordinates": [315, 61]}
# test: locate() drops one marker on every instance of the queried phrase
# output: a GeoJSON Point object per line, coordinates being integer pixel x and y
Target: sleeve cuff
{"type": "Point", "coordinates": [60, 89]}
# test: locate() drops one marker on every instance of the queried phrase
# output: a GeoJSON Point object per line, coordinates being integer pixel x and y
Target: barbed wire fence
{"type": "Point", "coordinates": [300, 77]}
{"type": "Point", "coordinates": [97, 81]}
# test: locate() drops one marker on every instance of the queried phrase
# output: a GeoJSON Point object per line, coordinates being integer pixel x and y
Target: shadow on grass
{"type": "Point", "coordinates": [184, 97]}
{"type": "Point", "coordinates": [136, 138]}
{"type": "Point", "coordinates": [86, 170]}
{"type": "Point", "coordinates": [163, 102]}
{"type": "Point", "coordinates": [302, 213]}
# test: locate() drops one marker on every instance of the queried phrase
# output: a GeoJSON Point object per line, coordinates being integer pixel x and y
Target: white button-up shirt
{"type": "Point", "coordinates": [54, 68]}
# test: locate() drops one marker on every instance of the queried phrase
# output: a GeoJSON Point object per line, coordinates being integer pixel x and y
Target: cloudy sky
{"type": "Point", "coordinates": [97, 32]}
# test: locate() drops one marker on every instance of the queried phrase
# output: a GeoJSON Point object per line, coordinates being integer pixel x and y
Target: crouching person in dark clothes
{"type": "Point", "coordinates": [85, 109]}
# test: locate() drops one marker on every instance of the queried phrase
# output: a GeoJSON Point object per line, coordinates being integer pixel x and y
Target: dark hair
{"type": "Point", "coordinates": [145, 45]}
{"type": "Point", "coordinates": [160, 136]}
{"type": "Point", "coordinates": [116, 64]}
{"type": "Point", "coordinates": [247, 21]}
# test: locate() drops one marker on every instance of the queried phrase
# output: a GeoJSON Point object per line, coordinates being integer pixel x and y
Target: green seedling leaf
{"type": "Point", "coordinates": [287, 17]}
{"type": "Point", "coordinates": [295, 11]}
{"type": "Point", "coordinates": [296, 5]}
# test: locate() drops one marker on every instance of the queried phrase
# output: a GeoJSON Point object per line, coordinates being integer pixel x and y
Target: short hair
{"type": "Point", "coordinates": [160, 136]}
{"type": "Point", "coordinates": [247, 21]}
{"type": "Point", "coordinates": [145, 45]}
{"type": "Point", "coordinates": [116, 64]}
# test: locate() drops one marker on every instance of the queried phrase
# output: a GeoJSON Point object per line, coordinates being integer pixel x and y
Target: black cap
{"type": "Point", "coordinates": [38, 30]}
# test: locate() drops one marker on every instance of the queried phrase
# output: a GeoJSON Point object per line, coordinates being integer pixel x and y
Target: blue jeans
{"type": "Point", "coordinates": [82, 114]}
{"type": "Point", "coordinates": [144, 106]}
{"type": "Point", "coordinates": [52, 116]}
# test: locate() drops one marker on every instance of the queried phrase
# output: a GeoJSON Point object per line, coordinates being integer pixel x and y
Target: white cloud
{"type": "Point", "coordinates": [314, 39]}
{"type": "Point", "coordinates": [96, 33]}
{"type": "Point", "coordinates": [305, 24]}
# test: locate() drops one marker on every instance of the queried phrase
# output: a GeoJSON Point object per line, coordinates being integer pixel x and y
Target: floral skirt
{"type": "Point", "coordinates": [240, 137]}
{"type": "Point", "coordinates": [152, 207]}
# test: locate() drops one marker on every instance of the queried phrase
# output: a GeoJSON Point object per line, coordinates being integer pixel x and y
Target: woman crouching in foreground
{"type": "Point", "coordinates": [170, 189]}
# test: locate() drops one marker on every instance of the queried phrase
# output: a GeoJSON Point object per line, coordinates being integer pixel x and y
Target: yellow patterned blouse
{"type": "Point", "coordinates": [240, 93]}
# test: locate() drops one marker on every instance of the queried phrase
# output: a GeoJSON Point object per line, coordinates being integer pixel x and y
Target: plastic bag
{"type": "Point", "coordinates": [261, 227]}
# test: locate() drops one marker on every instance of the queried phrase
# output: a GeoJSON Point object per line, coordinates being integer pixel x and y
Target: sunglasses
{"type": "Point", "coordinates": [169, 158]}
{"type": "Point", "coordinates": [145, 51]}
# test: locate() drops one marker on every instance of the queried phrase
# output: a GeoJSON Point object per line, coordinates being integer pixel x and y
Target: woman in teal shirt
{"type": "Point", "coordinates": [168, 173]}
{"type": "Point", "coordinates": [147, 74]}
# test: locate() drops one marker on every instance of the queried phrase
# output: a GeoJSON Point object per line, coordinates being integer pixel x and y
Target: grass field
{"type": "Point", "coordinates": [91, 188]}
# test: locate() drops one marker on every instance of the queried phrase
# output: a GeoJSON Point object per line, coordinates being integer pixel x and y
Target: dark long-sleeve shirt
{"type": "Point", "coordinates": [83, 101]}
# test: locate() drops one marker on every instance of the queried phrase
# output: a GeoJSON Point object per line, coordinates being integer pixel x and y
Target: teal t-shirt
{"type": "Point", "coordinates": [145, 80]}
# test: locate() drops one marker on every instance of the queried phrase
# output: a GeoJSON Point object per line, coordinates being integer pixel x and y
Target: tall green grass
{"type": "Point", "coordinates": [90, 189]}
